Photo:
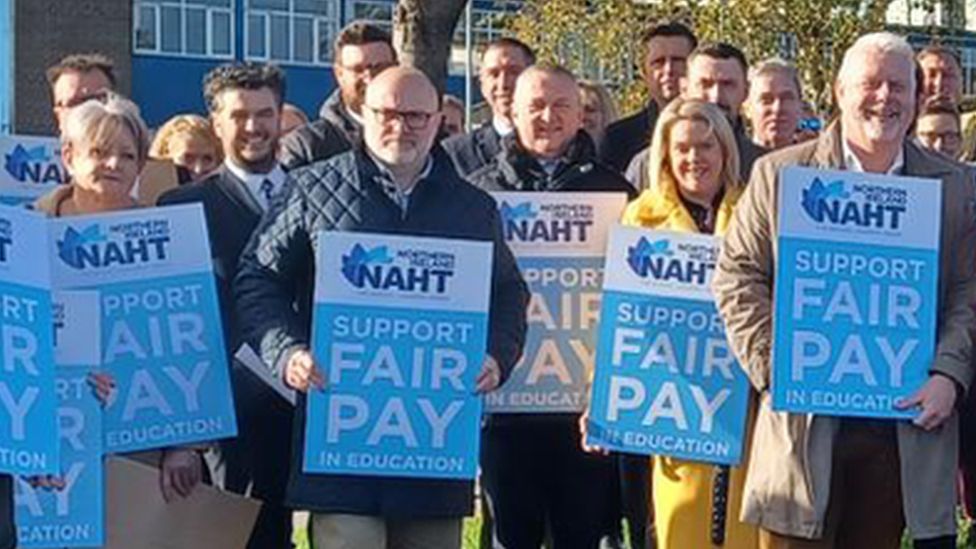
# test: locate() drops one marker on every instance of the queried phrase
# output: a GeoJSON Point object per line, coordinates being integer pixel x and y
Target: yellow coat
{"type": "Point", "coordinates": [681, 491]}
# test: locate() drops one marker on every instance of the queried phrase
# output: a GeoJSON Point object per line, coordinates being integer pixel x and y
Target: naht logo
{"type": "Point", "coordinates": [130, 243]}
{"type": "Point", "coordinates": [33, 165]}
{"type": "Point", "coordinates": [864, 205]}
{"type": "Point", "coordinates": [6, 238]}
{"type": "Point", "coordinates": [656, 260]}
{"type": "Point", "coordinates": [550, 223]}
{"type": "Point", "coordinates": [411, 271]}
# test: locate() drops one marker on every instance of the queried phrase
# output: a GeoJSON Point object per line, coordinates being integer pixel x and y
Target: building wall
{"type": "Point", "coordinates": [166, 86]}
{"type": "Point", "coordinates": [6, 67]}
{"type": "Point", "coordinates": [45, 31]}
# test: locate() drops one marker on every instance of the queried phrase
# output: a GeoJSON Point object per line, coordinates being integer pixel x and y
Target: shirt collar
{"type": "Point", "coordinates": [502, 127]}
{"type": "Point", "coordinates": [853, 163]}
{"type": "Point", "coordinates": [253, 180]}
{"type": "Point", "coordinates": [387, 175]}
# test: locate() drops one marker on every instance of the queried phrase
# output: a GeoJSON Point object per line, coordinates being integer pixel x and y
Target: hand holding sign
{"type": "Point", "coordinates": [936, 399]}
{"type": "Point", "coordinates": [490, 377]}
{"type": "Point", "coordinates": [181, 471]}
{"type": "Point", "coordinates": [104, 386]}
{"type": "Point", "coordinates": [301, 371]}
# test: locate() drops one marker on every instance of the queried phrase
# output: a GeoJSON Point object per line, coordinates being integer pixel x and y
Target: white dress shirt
{"type": "Point", "coordinates": [254, 182]}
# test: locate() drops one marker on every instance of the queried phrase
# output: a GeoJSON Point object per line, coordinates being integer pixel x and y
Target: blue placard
{"type": "Point", "coordinates": [559, 241]}
{"type": "Point", "coordinates": [666, 381]}
{"type": "Point", "coordinates": [160, 330]}
{"type": "Point", "coordinates": [28, 435]}
{"type": "Point", "coordinates": [400, 326]}
{"type": "Point", "coordinates": [73, 516]}
{"type": "Point", "coordinates": [855, 293]}
{"type": "Point", "coordinates": [31, 168]}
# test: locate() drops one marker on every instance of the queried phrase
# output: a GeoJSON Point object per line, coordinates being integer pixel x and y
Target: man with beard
{"type": "Point", "coordinates": [666, 47]}
{"type": "Point", "coordinates": [245, 103]}
{"type": "Point", "coordinates": [501, 64]}
{"type": "Point", "coordinates": [396, 181]}
{"type": "Point", "coordinates": [361, 51]}
{"type": "Point", "coordinates": [775, 103]}
{"type": "Point", "coordinates": [716, 74]}
{"type": "Point", "coordinates": [817, 481]}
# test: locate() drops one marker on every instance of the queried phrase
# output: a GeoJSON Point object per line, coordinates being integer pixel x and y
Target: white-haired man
{"type": "Point", "coordinates": [774, 103]}
{"type": "Point", "coordinates": [819, 481]}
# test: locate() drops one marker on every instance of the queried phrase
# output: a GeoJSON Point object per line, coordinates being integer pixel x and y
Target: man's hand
{"type": "Point", "coordinates": [301, 371]}
{"type": "Point", "coordinates": [180, 471]}
{"type": "Point", "coordinates": [47, 482]}
{"type": "Point", "coordinates": [490, 377]}
{"type": "Point", "coordinates": [103, 384]}
{"type": "Point", "coordinates": [936, 399]}
{"type": "Point", "coordinates": [589, 449]}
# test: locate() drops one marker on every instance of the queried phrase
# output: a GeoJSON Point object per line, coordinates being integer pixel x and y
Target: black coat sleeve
{"type": "Point", "coordinates": [509, 299]}
{"type": "Point", "coordinates": [266, 288]}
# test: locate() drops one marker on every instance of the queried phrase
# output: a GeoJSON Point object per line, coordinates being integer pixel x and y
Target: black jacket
{"type": "Point", "coordinates": [232, 215]}
{"type": "Point", "coordinates": [334, 133]}
{"type": "Point", "coordinates": [627, 137]}
{"type": "Point", "coordinates": [276, 272]}
{"type": "Point", "coordinates": [8, 532]}
{"type": "Point", "coordinates": [472, 151]}
{"type": "Point", "coordinates": [515, 170]}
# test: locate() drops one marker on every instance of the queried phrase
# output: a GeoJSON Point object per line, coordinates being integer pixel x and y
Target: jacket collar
{"type": "Point", "coordinates": [335, 112]}
{"type": "Point", "coordinates": [522, 170]}
{"type": "Point", "coordinates": [829, 154]}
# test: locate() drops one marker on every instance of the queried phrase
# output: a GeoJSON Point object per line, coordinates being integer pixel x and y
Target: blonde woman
{"type": "Point", "coordinates": [104, 146]}
{"type": "Point", "coordinates": [188, 141]}
{"type": "Point", "coordinates": [599, 109]}
{"type": "Point", "coordinates": [693, 177]}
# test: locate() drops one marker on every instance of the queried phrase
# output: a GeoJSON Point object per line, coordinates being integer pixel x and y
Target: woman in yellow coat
{"type": "Point", "coordinates": [693, 186]}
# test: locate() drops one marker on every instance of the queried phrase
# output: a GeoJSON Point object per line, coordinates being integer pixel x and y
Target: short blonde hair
{"type": "Point", "coordinates": [99, 122]}
{"type": "Point", "coordinates": [659, 166]}
{"type": "Point", "coordinates": [187, 126]}
{"type": "Point", "coordinates": [607, 105]}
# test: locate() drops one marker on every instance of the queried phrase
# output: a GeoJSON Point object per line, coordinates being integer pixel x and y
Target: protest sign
{"type": "Point", "coordinates": [855, 294]}
{"type": "Point", "coordinates": [559, 240]}
{"type": "Point", "coordinates": [31, 168]}
{"type": "Point", "coordinates": [400, 324]}
{"type": "Point", "coordinates": [160, 325]}
{"type": "Point", "coordinates": [71, 516]}
{"type": "Point", "coordinates": [28, 421]}
{"type": "Point", "coordinates": [666, 381]}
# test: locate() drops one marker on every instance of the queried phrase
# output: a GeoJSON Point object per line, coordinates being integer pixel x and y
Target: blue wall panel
{"type": "Point", "coordinates": [166, 86]}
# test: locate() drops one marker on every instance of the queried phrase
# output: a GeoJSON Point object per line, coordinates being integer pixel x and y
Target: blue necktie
{"type": "Point", "coordinates": [267, 188]}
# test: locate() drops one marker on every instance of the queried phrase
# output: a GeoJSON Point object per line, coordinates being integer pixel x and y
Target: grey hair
{"type": "Point", "coordinates": [884, 42]}
{"type": "Point", "coordinates": [774, 65]}
{"type": "Point", "coordinates": [95, 119]}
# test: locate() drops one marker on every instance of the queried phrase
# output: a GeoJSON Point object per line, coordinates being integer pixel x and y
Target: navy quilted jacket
{"type": "Point", "coordinates": [273, 291]}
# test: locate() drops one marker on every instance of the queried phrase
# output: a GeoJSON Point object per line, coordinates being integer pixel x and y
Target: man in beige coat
{"type": "Point", "coordinates": [823, 482]}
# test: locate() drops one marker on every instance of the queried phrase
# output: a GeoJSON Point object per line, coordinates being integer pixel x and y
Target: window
{"type": "Point", "coordinates": [969, 71]}
{"type": "Point", "coordinates": [485, 27]}
{"type": "Point", "coordinates": [377, 12]}
{"type": "Point", "coordinates": [291, 31]}
{"type": "Point", "coordinates": [184, 27]}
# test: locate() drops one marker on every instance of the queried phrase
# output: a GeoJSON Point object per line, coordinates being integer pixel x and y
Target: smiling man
{"type": "Point", "coordinates": [245, 103]}
{"type": "Point", "coordinates": [501, 64]}
{"type": "Point", "coordinates": [535, 471]}
{"type": "Point", "coordinates": [821, 481]}
{"type": "Point", "coordinates": [395, 181]}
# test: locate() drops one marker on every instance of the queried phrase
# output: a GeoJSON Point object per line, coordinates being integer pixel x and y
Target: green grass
{"type": "Point", "coordinates": [469, 536]}
{"type": "Point", "coordinates": [472, 529]}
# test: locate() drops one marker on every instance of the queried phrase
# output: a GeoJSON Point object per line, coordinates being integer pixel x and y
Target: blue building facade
{"type": "Point", "coordinates": [175, 43]}
{"type": "Point", "coordinates": [6, 67]}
